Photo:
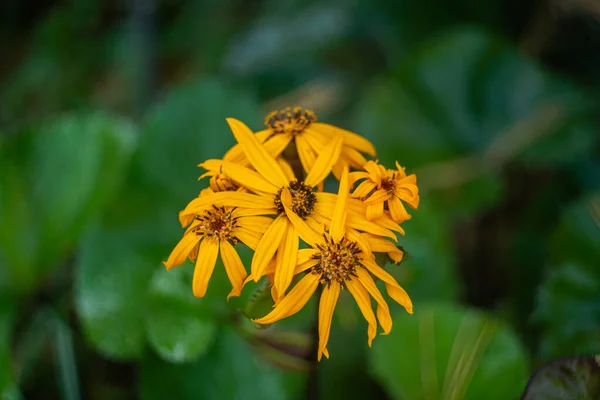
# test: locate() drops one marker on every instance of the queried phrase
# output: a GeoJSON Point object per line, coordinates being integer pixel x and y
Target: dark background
{"type": "Point", "coordinates": [106, 108]}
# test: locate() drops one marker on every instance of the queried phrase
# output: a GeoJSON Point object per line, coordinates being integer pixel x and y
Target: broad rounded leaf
{"type": "Point", "coordinates": [443, 351]}
{"type": "Point", "coordinates": [179, 327]}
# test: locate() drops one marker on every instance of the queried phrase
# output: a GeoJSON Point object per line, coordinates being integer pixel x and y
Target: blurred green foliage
{"type": "Point", "coordinates": [504, 251]}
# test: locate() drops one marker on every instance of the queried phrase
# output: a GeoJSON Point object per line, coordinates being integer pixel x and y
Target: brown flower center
{"type": "Point", "coordinates": [290, 120]}
{"type": "Point", "coordinates": [303, 199]}
{"type": "Point", "coordinates": [337, 261]}
{"type": "Point", "coordinates": [217, 223]}
{"type": "Point", "coordinates": [389, 184]}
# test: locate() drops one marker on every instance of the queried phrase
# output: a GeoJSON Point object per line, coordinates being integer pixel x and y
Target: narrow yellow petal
{"type": "Point", "coordinates": [392, 286]}
{"type": "Point", "coordinates": [374, 211]}
{"type": "Point", "coordinates": [234, 268]}
{"type": "Point", "coordinates": [331, 199]}
{"type": "Point", "coordinates": [304, 262]}
{"type": "Point", "coordinates": [287, 256]}
{"type": "Point", "coordinates": [329, 298]}
{"type": "Point", "coordinates": [397, 210]}
{"type": "Point", "coordinates": [352, 139]}
{"type": "Point", "coordinates": [267, 247]}
{"type": "Point", "coordinates": [287, 170]}
{"type": "Point", "coordinates": [255, 223]}
{"type": "Point", "coordinates": [328, 156]}
{"type": "Point", "coordinates": [381, 245]}
{"type": "Point", "coordinates": [374, 172]}
{"type": "Point", "coordinates": [304, 231]}
{"type": "Point", "coordinates": [377, 197]}
{"type": "Point", "coordinates": [305, 265]}
{"type": "Point", "coordinates": [293, 301]}
{"type": "Point", "coordinates": [248, 212]}
{"type": "Point", "coordinates": [338, 220]}
{"type": "Point", "coordinates": [182, 250]}
{"type": "Point", "coordinates": [364, 189]}
{"type": "Point", "coordinates": [357, 176]}
{"type": "Point", "coordinates": [360, 223]}
{"type": "Point", "coordinates": [353, 157]}
{"type": "Point", "coordinates": [277, 144]}
{"type": "Point", "coordinates": [361, 295]}
{"type": "Point", "coordinates": [228, 199]}
{"type": "Point", "coordinates": [388, 223]}
{"type": "Point", "coordinates": [305, 153]}
{"type": "Point", "coordinates": [248, 237]}
{"type": "Point", "coordinates": [407, 190]}
{"type": "Point", "coordinates": [205, 264]}
{"type": "Point", "coordinates": [256, 153]}
{"type": "Point", "coordinates": [306, 254]}
{"type": "Point", "coordinates": [248, 178]}
{"type": "Point", "coordinates": [362, 244]}
{"type": "Point", "coordinates": [383, 310]}
{"type": "Point", "coordinates": [236, 154]}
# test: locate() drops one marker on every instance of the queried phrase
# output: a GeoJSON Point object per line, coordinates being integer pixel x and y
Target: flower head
{"type": "Point", "coordinates": [385, 187]}
{"type": "Point", "coordinates": [213, 230]}
{"type": "Point", "coordinates": [336, 261]}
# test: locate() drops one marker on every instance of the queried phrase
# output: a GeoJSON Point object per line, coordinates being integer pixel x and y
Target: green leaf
{"type": "Point", "coordinates": [188, 127]}
{"type": "Point", "coordinates": [566, 379]}
{"type": "Point", "coordinates": [111, 293]}
{"type": "Point", "coordinates": [8, 385]}
{"type": "Point", "coordinates": [467, 92]}
{"type": "Point", "coordinates": [180, 327]}
{"type": "Point", "coordinates": [443, 351]}
{"type": "Point", "coordinates": [211, 376]}
{"type": "Point", "coordinates": [77, 165]}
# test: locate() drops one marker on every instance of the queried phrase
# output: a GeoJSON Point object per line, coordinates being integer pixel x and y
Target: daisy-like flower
{"type": "Point", "coordinates": [213, 231]}
{"type": "Point", "coordinates": [336, 262]}
{"type": "Point", "coordinates": [269, 179]}
{"type": "Point", "coordinates": [309, 137]}
{"type": "Point", "coordinates": [381, 185]}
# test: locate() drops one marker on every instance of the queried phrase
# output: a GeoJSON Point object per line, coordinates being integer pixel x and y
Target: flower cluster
{"type": "Point", "coordinates": [268, 193]}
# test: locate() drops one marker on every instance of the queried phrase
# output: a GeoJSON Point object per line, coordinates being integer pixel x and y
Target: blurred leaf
{"type": "Point", "coordinates": [463, 90]}
{"type": "Point", "coordinates": [188, 127]}
{"type": "Point", "coordinates": [446, 352]}
{"type": "Point", "coordinates": [570, 378]}
{"type": "Point", "coordinates": [111, 293]}
{"type": "Point", "coordinates": [179, 327]}
{"type": "Point", "coordinates": [78, 164]}
{"type": "Point", "coordinates": [568, 306]}
{"type": "Point", "coordinates": [228, 371]}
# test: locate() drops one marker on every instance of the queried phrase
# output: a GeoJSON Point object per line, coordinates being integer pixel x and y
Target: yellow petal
{"type": "Point", "coordinates": [329, 298]}
{"type": "Point", "coordinates": [267, 247]}
{"type": "Point", "coordinates": [305, 153]}
{"type": "Point", "coordinates": [379, 196]}
{"type": "Point", "coordinates": [287, 170]}
{"type": "Point", "coordinates": [287, 256]}
{"type": "Point", "coordinates": [304, 231]}
{"type": "Point", "coordinates": [248, 237]}
{"type": "Point", "coordinates": [328, 156]}
{"type": "Point", "coordinates": [361, 295]}
{"type": "Point", "coordinates": [236, 153]}
{"type": "Point", "coordinates": [305, 265]}
{"type": "Point", "coordinates": [306, 254]}
{"type": "Point", "coordinates": [182, 250]}
{"type": "Point", "coordinates": [393, 288]}
{"type": "Point", "coordinates": [338, 220]}
{"type": "Point", "coordinates": [277, 144]}
{"type": "Point", "coordinates": [374, 211]}
{"type": "Point", "coordinates": [362, 244]}
{"type": "Point", "coordinates": [205, 264]}
{"type": "Point", "coordinates": [331, 199]}
{"type": "Point", "coordinates": [234, 268]}
{"type": "Point", "coordinates": [228, 199]}
{"type": "Point", "coordinates": [248, 178]}
{"type": "Point", "coordinates": [357, 176]}
{"type": "Point", "coordinates": [381, 245]}
{"type": "Point", "coordinates": [350, 138]}
{"type": "Point", "coordinates": [364, 189]}
{"type": "Point", "coordinates": [293, 301]}
{"type": "Point", "coordinates": [388, 223]}
{"type": "Point", "coordinates": [353, 157]}
{"type": "Point", "coordinates": [374, 172]}
{"type": "Point", "coordinates": [255, 223]}
{"type": "Point", "coordinates": [397, 210]}
{"type": "Point", "coordinates": [258, 156]}
{"type": "Point", "coordinates": [355, 220]}
{"type": "Point", "coordinates": [383, 310]}
{"type": "Point", "coordinates": [407, 190]}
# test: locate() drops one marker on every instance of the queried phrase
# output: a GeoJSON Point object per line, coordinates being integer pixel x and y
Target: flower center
{"type": "Point", "coordinates": [337, 261]}
{"type": "Point", "coordinates": [389, 184]}
{"type": "Point", "coordinates": [290, 120]}
{"type": "Point", "coordinates": [221, 183]}
{"type": "Point", "coordinates": [303, 199]}
{"type": "Point", "coordinates": [217, 223]}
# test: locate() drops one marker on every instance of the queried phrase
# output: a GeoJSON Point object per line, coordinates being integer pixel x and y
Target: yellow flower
{"type": "Point", "coordinates": [381, 186]}
{"type": "Point", "coordinates": [213, 230]}
{"type": "Point", "coordinates": [299, 125]}
{"type": "Point", "coordinates": [337, 262]}
{"type": "Point", "coordinates": [269, 179]}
